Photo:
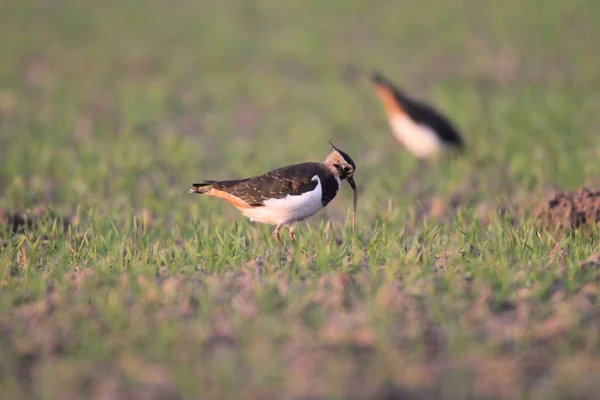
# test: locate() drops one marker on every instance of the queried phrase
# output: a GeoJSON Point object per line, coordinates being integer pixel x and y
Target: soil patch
{"type": "Point", "coordinates": [569, 210]}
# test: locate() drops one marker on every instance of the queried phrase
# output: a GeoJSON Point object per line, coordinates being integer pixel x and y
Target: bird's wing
{"type": "Point", "coordinates": [423, 113]}
{"type": "Point", "coordinates": [292, 180]}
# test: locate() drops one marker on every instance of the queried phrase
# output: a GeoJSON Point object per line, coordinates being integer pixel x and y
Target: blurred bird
{"type": "Point", "coordinates": [289, 194]}
{"type": "Point", "coordinates": [419, 127]}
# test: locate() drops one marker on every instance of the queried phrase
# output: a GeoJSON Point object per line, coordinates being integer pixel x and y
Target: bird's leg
{"type": "Point", "coordinates": [276, 236]}
{"type": "Point", "coordinates": [291, 233]}
{"type": "Point", "coordinates": [293, 239]}
{"type": "Point", "coordinates": [423, 175]}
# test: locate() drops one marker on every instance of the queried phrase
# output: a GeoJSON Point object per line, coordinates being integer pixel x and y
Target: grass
{"type": "Point", "coordinates": [109, 111]}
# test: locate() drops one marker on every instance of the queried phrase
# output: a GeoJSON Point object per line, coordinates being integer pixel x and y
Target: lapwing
{"type": "Point", "coordinates": [289, 194]}
{"type": "Point", "coordinates": [423, 130]}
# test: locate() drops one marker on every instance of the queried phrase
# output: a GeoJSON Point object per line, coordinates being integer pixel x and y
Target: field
{"type": "Point", "coordinates": [115, 283]}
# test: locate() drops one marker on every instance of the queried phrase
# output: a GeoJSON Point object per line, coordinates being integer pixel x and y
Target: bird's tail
{"type": "Point", "coordinates": [202, 187]}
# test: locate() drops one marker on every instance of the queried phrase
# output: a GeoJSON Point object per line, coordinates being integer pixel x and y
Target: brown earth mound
{"type": "Point", "coordinates": [569, 210]}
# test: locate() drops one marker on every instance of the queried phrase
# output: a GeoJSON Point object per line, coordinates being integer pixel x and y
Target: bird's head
{"type": "Point", "coordinates": [378, 79]}
{"type": "Point", "coordinates": [341, 165]}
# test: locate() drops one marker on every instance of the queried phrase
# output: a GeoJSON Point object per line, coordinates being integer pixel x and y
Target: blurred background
{"type": "Point", "coordinates": [132, 102]}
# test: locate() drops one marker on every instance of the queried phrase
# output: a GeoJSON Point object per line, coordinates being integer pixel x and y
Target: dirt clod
{"type": "Point", "coordinates": [569, 210]}
{"type": "Point", "coordinates": [592, 262]}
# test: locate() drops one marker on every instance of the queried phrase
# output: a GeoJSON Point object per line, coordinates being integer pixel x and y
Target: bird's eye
{"type": "Point", "coordinates": [337, 166]}
{"type": "Point", "coordinates": [347, 169]}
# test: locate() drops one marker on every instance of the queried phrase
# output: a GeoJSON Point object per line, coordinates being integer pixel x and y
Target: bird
{"type": "Point", "coordinates": [286, 195]}
{"type": "Point", "coordinates": [423, 130]}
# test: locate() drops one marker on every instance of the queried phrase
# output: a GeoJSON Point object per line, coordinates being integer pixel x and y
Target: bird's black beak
{"type": "Point", "coordinates": [354, 199]}
{"type": "Point", "coordinates": [352, 183]}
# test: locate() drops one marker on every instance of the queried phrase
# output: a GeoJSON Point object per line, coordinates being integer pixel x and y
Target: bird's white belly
{"type": "Point", "coordinates": [288, 209]}
{"type": "Point", "coordinates": [419, 139]}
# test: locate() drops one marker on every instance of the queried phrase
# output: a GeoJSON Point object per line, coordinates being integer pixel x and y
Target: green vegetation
{"type": "Point", "coordinates": [110, 110]}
